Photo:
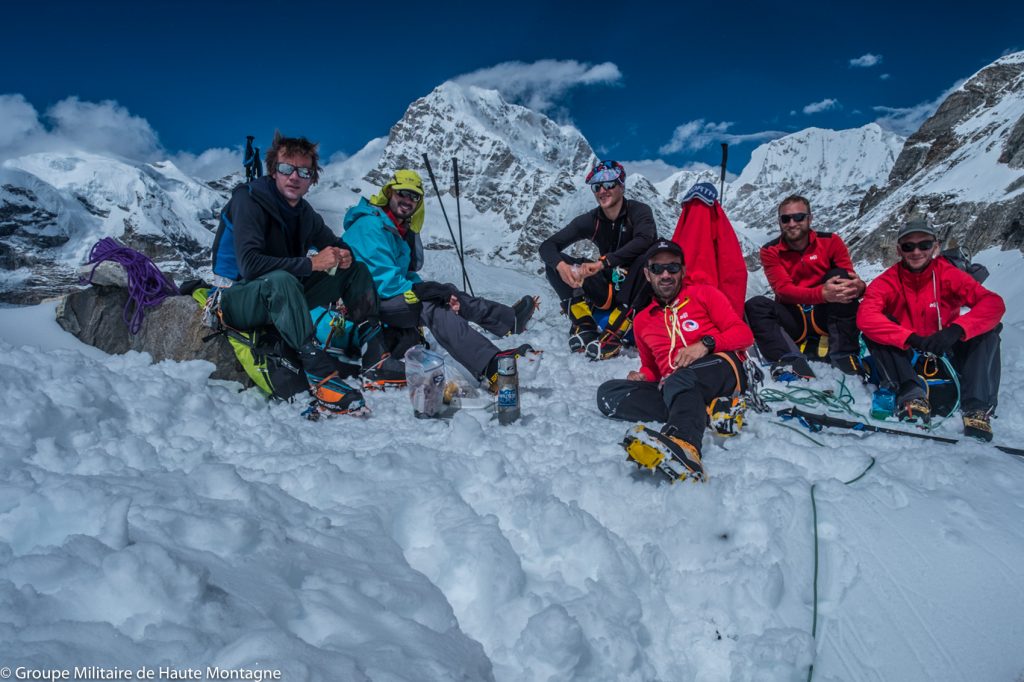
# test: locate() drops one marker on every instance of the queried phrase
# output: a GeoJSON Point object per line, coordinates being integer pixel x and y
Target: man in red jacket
{"type": "Point", "coordinates": [816, 292]}
{"type": "Point", "coordinates": [914, 306]}
{"type": "Point", "coordinates": [691, 344]}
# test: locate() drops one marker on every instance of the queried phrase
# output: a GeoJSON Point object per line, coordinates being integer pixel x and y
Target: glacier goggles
{"type": "Point", "coordinates": [795, 217]}
{"type": "Point", "coordinates": [923, 245]}
{"type": "Point", "coordinates": [598, 186]}
{"type": "Point", "coordinates": [409, 194]}
{"type": "Point", "coordinates": [287, 169]}
{"type": "Point", "coordinates": [671, 268]}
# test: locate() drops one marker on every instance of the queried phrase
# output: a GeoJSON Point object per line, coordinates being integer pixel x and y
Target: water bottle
{"type": "Point", "coordinates": [424, 373]}
{"type": "Point", "coordinates": [508, 390]}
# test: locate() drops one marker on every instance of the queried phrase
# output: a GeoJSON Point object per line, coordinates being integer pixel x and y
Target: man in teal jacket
{"type": "Point", "coordinates": [384, 234]}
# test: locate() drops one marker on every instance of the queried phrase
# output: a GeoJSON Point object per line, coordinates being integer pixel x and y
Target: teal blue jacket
{"type": "Point", "coordinates": [375, 241]}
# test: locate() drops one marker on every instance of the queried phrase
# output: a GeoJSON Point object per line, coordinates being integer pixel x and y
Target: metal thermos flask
{"type": "Point", "coordinates": [508, 390]}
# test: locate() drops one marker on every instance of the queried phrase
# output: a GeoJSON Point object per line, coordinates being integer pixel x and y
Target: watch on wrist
{"type": "Point", "coordinates": [709, 342]}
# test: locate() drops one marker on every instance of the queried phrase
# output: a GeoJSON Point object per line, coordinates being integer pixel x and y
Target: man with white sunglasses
{"type": "Point", "coordinates": [914, 308]}
{"type": "Point", "coordinates": [622, 230]}
{"type": "Point", "coordinates": [274, 259]}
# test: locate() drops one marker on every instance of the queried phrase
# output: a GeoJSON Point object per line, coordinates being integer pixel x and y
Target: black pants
{"type": "Point", "coordinates": [681, 401]}
{"type": "Point", "coordinates": [599, 289]}
{"type": "Point", "coordinates": [779, 327]}
{"type": "Point", "coordinates": [976, 361]}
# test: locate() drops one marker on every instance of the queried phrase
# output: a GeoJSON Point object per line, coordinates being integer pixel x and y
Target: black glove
{"type": "Point", "coordinates": [942, 342]}
{"type": "Point", "coordinates": [915, 341]}
{"type": "Point", "coordinates": [435, 292]}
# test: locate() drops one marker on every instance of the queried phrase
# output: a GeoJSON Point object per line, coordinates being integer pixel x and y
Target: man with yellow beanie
{"type": "Point", "coordinates": [384, 234]}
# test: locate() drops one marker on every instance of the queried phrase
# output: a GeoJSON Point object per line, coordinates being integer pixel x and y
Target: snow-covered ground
{"type": "Point", "coordinates": [151, 517]}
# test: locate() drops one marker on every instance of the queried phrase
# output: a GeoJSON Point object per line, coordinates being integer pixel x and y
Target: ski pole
{"type": "Point", "coordinates": [810, 420]}
{"type": "Point", "coordinates": [721, 182]}
{"type": "Point", "coordinates": [458, 212]}
{"type": "Point", "coordinates": [433, 181]}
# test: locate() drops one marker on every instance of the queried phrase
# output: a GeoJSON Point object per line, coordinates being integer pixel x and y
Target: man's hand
{"type": "Point", "coordinates": [636, 376]}
{"type": "Point", "coordinates": [589, 269]}
{"type": "Point", "coordinates": [328, 258]}
{"type": "Point", "coordinates": [569, 275]}
{"type": "Point", "coordinates": [344, 257]}
{"type": "Point", "coordinates": [453, 304]}
{"type": "Point", "coordinates": [690, 354]}
{"type": "Point", "coordinates": [942, 342]}
{"type": "Point", "coordinates": [839, 290]}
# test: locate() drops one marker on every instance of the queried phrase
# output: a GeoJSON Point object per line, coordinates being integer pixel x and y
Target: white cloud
{"type": "Point", "coordinates": [698, 134]}
{"type": "Point", "coordinates": [884, 77]}
{"type": "Point", "coordinates": [823, 105]}
{"type": "Point", "coordinates": [654, 170]}
{"type": "Point", "coordinates": [541, 84]}
{"type": "Point", "coordinates": [213, 164]}
{"type": "Point", "coordinates": [866, 61]}
{"type": "Point", "coordinates": [906, 120]}
{"type": "Point", "coordinates": [106, 127]}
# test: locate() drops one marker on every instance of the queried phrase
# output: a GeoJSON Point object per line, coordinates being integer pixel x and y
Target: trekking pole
{"type": "Point", "coordinates": [458, 253]}
{"type": "Point", "coordinates": [458, 213]}
{"type": "Point", "coordinates": [811, 420]}
{"type": "Point", "coordinates": [721, 182]}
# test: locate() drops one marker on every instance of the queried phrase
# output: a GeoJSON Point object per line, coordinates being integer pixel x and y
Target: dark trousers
{"type": "Point", "coordinates": [681, 401]}
{"type": "Point", "coordinates": [976, 361]}
{"type": "Point", "coordinates": [279, 298]}
{"type": "Point", "coordinates": [599, 289]}
{"type": "Point", "coordinates": [452, 331]}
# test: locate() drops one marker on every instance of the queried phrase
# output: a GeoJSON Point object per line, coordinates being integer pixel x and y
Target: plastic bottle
{"type": "Point", "coordinates": [508, 390]}
{"type": "Point", "coordinates": [424, 373]}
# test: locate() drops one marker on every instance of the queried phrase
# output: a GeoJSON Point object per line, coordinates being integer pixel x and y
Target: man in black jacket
{"type": "Point", "coordinates": [623, 230]}
{"type": "Point", "coordinates": [266, 277]}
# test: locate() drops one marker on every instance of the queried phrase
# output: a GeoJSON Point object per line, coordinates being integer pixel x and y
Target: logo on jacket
{"type": "Point", "coordinates": [813, 256]}
{"type": "Point", "coordinates": [690, 325]}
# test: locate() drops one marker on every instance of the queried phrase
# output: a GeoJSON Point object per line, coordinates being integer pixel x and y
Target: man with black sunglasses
{"type": "Point", "coordinates": [915, 307]}
{"type": "Point", "coordinates": [264, 275]}
{"type": "Point", "coordinates": [384, 233]}
{"type": "Point", "coordinates": [691, 343]}
{"type": "Point", "coordinates": [816, 292]}
{"type": "Point", "coordinates": [622, 230]}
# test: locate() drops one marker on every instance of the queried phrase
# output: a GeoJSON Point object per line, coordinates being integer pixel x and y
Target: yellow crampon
{"type": "Point", "coordinates": [726, 414]}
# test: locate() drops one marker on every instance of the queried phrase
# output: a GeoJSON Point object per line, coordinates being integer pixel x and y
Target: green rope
{"type": "Point", "coordinates": [838, 401]}
{"type": "Point", "coordinates": [814, 511]}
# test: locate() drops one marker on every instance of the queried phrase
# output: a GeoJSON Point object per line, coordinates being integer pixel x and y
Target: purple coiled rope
{"type": "Point", "coordinates": [147, 285]}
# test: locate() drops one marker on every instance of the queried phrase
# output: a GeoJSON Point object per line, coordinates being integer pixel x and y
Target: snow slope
{"type": "Point", "coordinates": [151, 517]}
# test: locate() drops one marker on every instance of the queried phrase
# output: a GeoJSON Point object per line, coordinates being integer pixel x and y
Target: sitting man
{"type": "Point", "coordinates": [915, 306]}
{"type": "Point", "coordinates": [691, 344]}
{"type": "Point", "coordinates": [384, 233]}
{"type": "Point", "coordinates": [265, 276]}
{"type": "Point", "coordinates": [622, 231]}
{"type": "Point", "coordinates": [816, 291]}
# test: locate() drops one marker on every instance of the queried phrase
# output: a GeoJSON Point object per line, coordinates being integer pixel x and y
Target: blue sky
{"type": "Point", "coordinates": [640, 81]}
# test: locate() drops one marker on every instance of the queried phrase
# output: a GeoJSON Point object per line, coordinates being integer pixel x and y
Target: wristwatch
{"type": "Point", "coordinates": [709, 342]}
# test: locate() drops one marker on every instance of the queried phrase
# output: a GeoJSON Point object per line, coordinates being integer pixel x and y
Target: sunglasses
{"type": "Point", "coordinates": [412, 196]}
{"type": "Point", "coordinates": [597, 186]}
{"type": "Point", "coordinates": [923, 245]}
{"type": "Point", "coordinates": [658, 268]}
{"type": "Point", "coordinates": [287, 169]}
{"type": "Point", "coordinates": [795, 217]}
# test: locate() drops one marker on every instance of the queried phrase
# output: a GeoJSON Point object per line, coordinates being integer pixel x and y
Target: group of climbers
{"type": "Point", "coordinates": [680, 301]}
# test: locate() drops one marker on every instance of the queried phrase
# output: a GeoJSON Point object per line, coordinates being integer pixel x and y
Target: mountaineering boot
{"type": "Point", "coordinates": [609, 344]}
{"type": "Point", "coordinates": [791, 367]}
{"type": "Point", "coordinates": [671, 456]}
{"type": "Point", "coordinates": [978, 424]}
{"type": "Point", "coordinates": [726, 414]}
{"type": "Point", "coordinates": [915, 409]}
{"type": "Point", "coordinates": [380, 369]}
{"type": "Point", "coordinates": [330, 393]}
{"type": "Point", "coordinates": [524, 309]}
{"type": "Point", "coordinates": [584, 329]}
{"type": "Point", "coordinates": [491, 371]}
{"type": "Point", "coordinates": [849, 365]}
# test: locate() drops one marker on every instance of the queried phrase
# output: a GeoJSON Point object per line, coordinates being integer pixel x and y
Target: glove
{"type": "Point", "coordinates": [941, 342]}
{"type": "Point", "coordinates": [411, 298]}
{"type": "Point", "coordinates": [704, 191]}
{"type": "Point", "coordinates": [915, 341]}
{"type": "Point", "coordinates": [435, 292]}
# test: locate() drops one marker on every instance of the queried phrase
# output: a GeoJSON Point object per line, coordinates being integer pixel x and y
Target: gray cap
{"type": "Point", "coordinates": [916, 223]}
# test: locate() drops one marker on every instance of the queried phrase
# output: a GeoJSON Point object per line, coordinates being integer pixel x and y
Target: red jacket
{"type": "Point", "coordinates": [712, 251]}
{"type": "Point", "coordinates": [910, 299]}
{"type": "Point", "coordinates": [795, 276]}
{"type": "Point", "coordinates": [699, 310]}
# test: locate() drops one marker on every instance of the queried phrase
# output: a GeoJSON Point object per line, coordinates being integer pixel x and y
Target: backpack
{"type": "Point", "coordinates": [958, 257]}
{"type": "Point", "coordinates": [268, 361]}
